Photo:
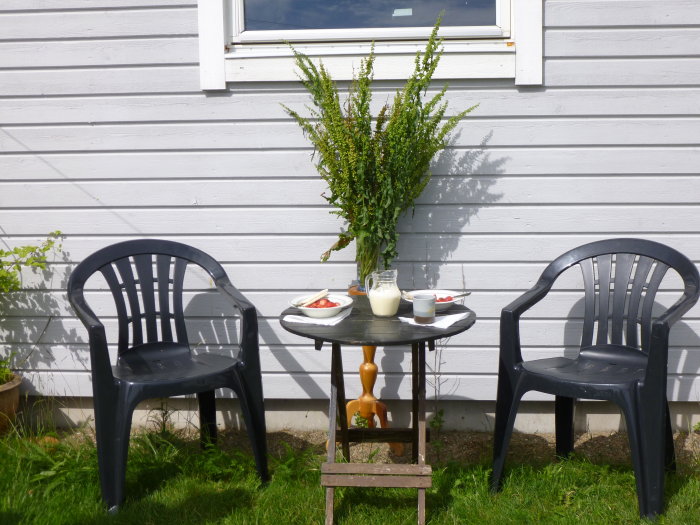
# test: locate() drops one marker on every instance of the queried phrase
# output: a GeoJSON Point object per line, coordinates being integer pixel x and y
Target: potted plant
{"type": "Point", "coordinates": [12, 262]}
{"type": "Point", "coordinates": [375, 167]}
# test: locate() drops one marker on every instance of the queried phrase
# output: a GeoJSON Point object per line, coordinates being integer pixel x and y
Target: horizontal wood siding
{"type": "Point", "coordinates": [105, 135]}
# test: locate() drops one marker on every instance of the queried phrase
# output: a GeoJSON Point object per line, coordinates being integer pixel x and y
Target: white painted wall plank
{"type": "Point", "coordinates": [89, 81]}
{"type": "Point", "coordinates": [174, 164]}
{"type": "Point", "coordinates": [199, 192]}
{"type": "Point", "coordinates": [622, 72]}
{"type": "Point", "coordinates": [77, 384]}
{"type": "Point", "coordinates": [235, 250]}
{"type": "Point", "coordinates": [265, 135]}
{"type": "Point", "coordinates": [287, 163]}
{"type": "Point", "coordinates": [597, 13]}
{"type": "Point", "coordinates": [265, 105]}
{"type": "Point", "coordinates": [667, 189]}
{"type": "Point", "coordinates": [297, 360]}
{"type": "Point", "coordinates": [622, 43]}
{"type": "Point", "coordinates": [38, 5]}
{"type": "Point", "coordinates": [628, 220]}
{"type": "Point", "coordinates": [561, 304]}
{"type": "Point", "coordinates": [113, 52]}
{"type": "Point", "coordinates": [55, 25]}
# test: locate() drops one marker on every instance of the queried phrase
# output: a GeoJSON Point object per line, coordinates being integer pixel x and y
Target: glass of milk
{"type": "Point", "coordinates": [383, 292]}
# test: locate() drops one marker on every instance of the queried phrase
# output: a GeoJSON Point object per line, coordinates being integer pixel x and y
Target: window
{"type": "Point", "coordinates": [324, 20]}
{"type": "Point", "coordinates": [246, 40]}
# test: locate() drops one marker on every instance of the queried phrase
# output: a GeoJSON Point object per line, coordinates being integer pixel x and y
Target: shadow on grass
{"type": "Point", "coordinates": [203, 504]}
{"type": "Point", "coordinates": [352, 502]}
{"type": "Point", "coordinates": [10, 517]}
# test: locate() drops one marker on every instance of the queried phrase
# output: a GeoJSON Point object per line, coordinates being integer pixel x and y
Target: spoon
{"type": "Point", "coordinates": [409, 296]}
{"type": "Point", "coordinates": [312, 298]}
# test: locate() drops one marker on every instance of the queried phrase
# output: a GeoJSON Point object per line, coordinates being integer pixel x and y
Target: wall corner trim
{"type": "Point", "coordinates": [212, 41]}
{"type": "Point", "coordinates": [528, 32]}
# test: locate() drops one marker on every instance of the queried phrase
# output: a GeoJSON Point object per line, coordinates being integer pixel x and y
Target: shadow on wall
{"type": "Point", "coordinates": [33, 331]}
{"type": "Point", "coordinates": [212, 325]}
{"type": "Point", "coordinates": [433, 232]}
{"type": "Point", "coordinates": [213, 322]}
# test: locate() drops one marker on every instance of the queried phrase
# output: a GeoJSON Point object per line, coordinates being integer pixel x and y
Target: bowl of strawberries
{"type": "Point", "coordinates": [326, 305]}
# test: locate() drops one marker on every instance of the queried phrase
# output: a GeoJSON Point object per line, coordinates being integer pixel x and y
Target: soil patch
{"type": "Point", "coordinates": [475, 447]}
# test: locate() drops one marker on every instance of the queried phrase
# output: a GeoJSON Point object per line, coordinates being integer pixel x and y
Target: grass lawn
{"type": "Point", "coordinates": [47, 479]}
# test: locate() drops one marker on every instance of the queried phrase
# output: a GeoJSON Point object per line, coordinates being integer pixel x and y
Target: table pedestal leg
{"type": "Point", "coordinates": [367, 405]}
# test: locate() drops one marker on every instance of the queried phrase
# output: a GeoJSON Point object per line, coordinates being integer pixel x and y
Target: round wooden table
{"type": "Point", "coordinates": [362, 328]}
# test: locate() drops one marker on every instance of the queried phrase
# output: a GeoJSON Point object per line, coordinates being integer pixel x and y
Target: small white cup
{"type": "Point", "coordinates": [424, 308]}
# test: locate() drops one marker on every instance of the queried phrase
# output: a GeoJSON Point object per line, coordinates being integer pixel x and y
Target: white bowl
{"type": "Point", "coordinates": [439, 306]}
{"type": "Point", "coordinates": [343, 300]}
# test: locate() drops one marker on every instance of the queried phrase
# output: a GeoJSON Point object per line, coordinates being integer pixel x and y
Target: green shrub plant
{"type": "Point", "coordinates": [375, 167]}
{"type": "Point", "coordinates": [12, 261]}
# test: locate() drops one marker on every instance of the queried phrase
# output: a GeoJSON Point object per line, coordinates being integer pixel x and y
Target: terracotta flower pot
{"type": "Point", "coordinates": [9, 401]}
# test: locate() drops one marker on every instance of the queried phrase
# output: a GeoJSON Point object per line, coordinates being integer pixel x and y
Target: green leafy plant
{"type": "Point", "coordinates": [29, 256]}
{"type": "Point", "coordinates": [12, 262]}
{"type": "Point", "coordinates": [375, 167]}
{"type": "Point", "coordinates": [5, 371]}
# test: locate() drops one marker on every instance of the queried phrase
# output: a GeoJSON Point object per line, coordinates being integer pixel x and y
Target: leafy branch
{"type": "Point", "coordinates": [30, 256]}
{"type": "Point", "coordinates": [375, 167]}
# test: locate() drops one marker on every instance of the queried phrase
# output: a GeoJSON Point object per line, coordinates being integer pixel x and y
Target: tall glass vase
{"type": "Point", "coordinates": [367, 257]}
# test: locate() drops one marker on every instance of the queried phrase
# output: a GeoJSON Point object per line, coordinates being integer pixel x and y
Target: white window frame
{"type": "Point", "coordinates": [229, 55]}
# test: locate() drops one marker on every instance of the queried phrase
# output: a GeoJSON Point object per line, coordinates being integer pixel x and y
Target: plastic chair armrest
{"type": "Point", "coordinates": [529, 298]}
{"type": "Point", "coordinates": [99, 353]}
{"type": "Point", "coordinates": [249, 324]}
{"type": "Point", "coordinates": [510, 353]}
{"type": "Point", "coordinates": [657, 368]}
{"type": "Point", "coordinates": [677, 310]}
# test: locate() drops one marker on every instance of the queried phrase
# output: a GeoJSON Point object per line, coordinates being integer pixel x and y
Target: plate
{"type": "Point", "coordinates": [439, 306]}
{"type": "Point", "coordinates": [318, 313]}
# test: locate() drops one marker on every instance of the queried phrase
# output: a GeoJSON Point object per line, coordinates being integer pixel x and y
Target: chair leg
{"type": "Point", "coordinates": [654, 426]}
{"type": "Point", "coordinates": [104, 437]}
{"type": "Point", "coordinates": [670, 451]}
{"type": "Point", "coordinates": [113, 426]}
{"type": "Point", "coordinates": [506, 410]}
{"type": "Point", "coordinates": [564, 423]}
{"type": "Point", "coordinates": [207, 417]}
{"type": "Point", "coordinates": [253, 409]}
{"type": "Point", "coordinates": [647, 450]}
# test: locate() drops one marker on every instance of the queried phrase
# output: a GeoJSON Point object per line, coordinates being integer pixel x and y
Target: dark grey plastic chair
{"type": "Point", "coordinates": [625, 363]}
{"type": "Point", "coordinates": [154, 358]}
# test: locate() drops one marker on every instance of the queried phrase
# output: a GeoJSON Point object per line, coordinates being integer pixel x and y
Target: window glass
{"type": "Point", "coordinates": [261, 15]}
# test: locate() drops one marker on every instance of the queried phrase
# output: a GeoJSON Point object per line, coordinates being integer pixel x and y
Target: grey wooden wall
{"type": "Point", "coordinates": [105, 135]}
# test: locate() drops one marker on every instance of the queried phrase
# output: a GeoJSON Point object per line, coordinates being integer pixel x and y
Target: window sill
{"type": "Point", "coordinates": [394, 60]}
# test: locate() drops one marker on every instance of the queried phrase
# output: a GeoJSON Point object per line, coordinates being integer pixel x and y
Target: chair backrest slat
{"type": "Point", "coordinates": [129, 287]}
{"type": "Point", "coordinates": [178, 284]}
{"type": "Point", "coordinates": [586, 266]}
{"type": "Point", "coordinates": [638, 287]}
{"type": "Point", "coordinates": [115, 287]}
{"type": "Point", "coordinates": [144, 269]}
{"type": "Point", "coordinates": [604, 272]}
{"type": "Point", "coordinates": [163, 263]}
{"type": "Point", "coordinates": [648, 303]}
{"type": "Point", "coordinates": [623, 271]}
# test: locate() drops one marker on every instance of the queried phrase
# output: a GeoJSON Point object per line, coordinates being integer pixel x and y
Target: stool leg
{"type": "Point", "coordinates": [420, 351]}
{"type": "Point", "coordinates": [329, 505]}
{"type": "Point", "coordinates": [421, 506]}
